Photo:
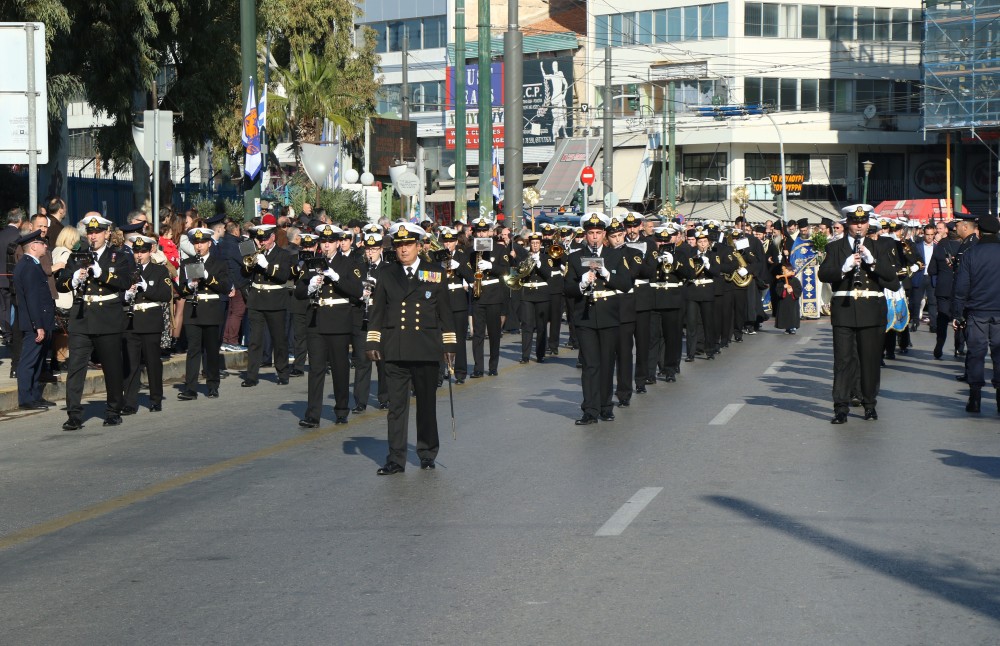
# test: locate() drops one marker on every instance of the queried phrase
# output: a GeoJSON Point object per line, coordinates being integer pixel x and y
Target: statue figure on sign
{"type": "Point", "coordinates": [556, 91]}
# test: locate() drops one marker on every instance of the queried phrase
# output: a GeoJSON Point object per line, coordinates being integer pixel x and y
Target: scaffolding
{"type": "Point", "coordinates": [962, 64]}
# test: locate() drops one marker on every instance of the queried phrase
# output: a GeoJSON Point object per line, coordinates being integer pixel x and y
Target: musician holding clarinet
{"type": "Point", "coordinates": [204, 285]}
{"type": "Point", "coordinates": [151, 288]}
{"type": "Point", "coordinates": [858, 270]}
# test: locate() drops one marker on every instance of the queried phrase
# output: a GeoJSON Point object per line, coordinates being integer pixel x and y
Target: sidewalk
{"type": "Point", "coordinates": [173, 370]}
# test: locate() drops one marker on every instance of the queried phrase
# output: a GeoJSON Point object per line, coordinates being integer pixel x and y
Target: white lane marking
{"type": "Point", "coordinates": [725, 414]}
{"type": "Point", "coordinates": [627, 513]}
{"type": "Point", "coordinates": [774, 368]}
{"type": "Point", "coordinates": [806, 340]}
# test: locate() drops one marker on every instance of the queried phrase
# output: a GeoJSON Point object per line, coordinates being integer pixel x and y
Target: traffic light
{"type": "Point", "coordinates": [431, 183]}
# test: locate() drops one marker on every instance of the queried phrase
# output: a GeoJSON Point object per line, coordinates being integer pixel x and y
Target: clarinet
{"type": "Point", "coordinates": [367, 283]}
{"type": "Point", "coordinates": [136, 277]}
{"type": "Point", "coordinates": [856, 280]}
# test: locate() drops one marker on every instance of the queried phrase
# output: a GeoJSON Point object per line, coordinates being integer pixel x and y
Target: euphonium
{"type": "Point", "coordinates": [516, 277]}
{"type": "Point", "coordinates": [735, 278]}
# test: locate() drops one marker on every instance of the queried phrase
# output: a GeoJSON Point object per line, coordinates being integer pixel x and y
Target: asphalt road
{"type": "Point", "coordinates": [723, 509]}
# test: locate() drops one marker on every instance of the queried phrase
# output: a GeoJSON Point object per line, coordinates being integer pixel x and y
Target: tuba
{"type": "Point", "coordinates": [735, 278]}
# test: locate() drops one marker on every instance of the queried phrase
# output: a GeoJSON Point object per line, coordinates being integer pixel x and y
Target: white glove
{"type": "Point", "coordinates": [192, 284]}
{"type": "Point", "coordinates": [129, 296]}
{"type": "Point", "coordinates": [668, 257]}
{"type": "Point", "coordinates": [143, 284]}
{"type": "Point", "coordinates": [331, 274]}
{"type": "Point", "coordinates": [96, 269]}
{"type": "Point", "coordinates": [314, 284]}
{"type": "Point", "coordinates": [79, 278]}
{"type": "Point", "coordinates": [586, 281]}
{"type": "Point", "coordinates": [206, 276]}
{"type": "Point", "coordinates": [848, 264]}
{"type": "Point", "coordinates": [605, 273]}
{"type": "Point", "coordinates": [742, 271]}
{"type": "Point", "coordinates": [261, 261]}
{"type": "Point", "coordinates": [484, 265]}
{"type": "Point", "coordinates": [867, 255]}
{"type": "Point", "coordinates": [706, 262]}
{"type": "Point", "coordinates": [452, 264]}
{"type": "Point", "coordinates": [538, 260]}
{"type": "Point", "coordinates": [914, 267]}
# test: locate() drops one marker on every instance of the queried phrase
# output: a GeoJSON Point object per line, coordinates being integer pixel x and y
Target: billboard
{"type": "Point", "coordinates": [547, 98]}
{"type": "Point", "coordinates": [391, 139]}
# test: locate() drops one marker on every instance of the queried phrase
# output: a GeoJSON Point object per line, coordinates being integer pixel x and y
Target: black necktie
{"type": "Point", "coordinates": [409, 273]}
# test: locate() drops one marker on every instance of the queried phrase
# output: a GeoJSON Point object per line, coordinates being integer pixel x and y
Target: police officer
{"type": "Point", "coordinates": [595, 276]}
{"type": "Point", "coordinates": [204, 285]}
{"type": "Point", "coordinates": [98, 281]}
{"type": "Point", "coordinates": [411, 328]}
{"type": "Point", "coordinates": [36, 318]}
{"type": "Point", "coordinates": [328, 287]}
{"type": "Point", "coordinates": [151, 289]}
{"type": "Point", "coordinates": [977, 309]}
{"type": "Point", "coordinates": [267, 303]}
{"type": "Point", "coordinates": [858, 270]}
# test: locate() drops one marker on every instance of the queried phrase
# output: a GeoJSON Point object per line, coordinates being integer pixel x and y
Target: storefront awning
{"type": "Point", "coordinates": [758, 212]}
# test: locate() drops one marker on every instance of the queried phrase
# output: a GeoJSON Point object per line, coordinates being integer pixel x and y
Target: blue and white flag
{"type": "Point", "coordinates": [251, 136]}
{"type": "Point", "coordinates": [495, 175]}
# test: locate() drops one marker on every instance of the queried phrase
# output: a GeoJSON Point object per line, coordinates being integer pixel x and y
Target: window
{"type": "Point", "coordinates": [809, 100]}
{"type": "Point", "coordinates": [845, 23]}
{"type": "Point", "coordinates": [762, 166]}
{"type": "Point", "coordinates": [660, 25]}
{"type": "Point", "coordinates": [674, 31]}
{"type": "Point", "coordinates": [900, 25]}
{"type": "Point", "coordinates": [791, 15]}
{"type": "Point", "coordinates": [753, 18]}
{"type": "Point", "coordinates": [381, 37]}
{"type": "Point", "coordinates": [628, 29]}
{"type": "Point", "coordinates": [644, 28]}
{"type": "Point", "coordinates": [770, 21]}
{"type": "Point", "coordinates": [789, 94]}
{"type": "Point", "coordinates": [751, 90]}
{"type": "Point", "coordinates": [691, 23]}
{"type": "Point", "coordinates": [866, 23]}
{"type": "Point", "coordinates": [882, 21]}
{"type": "Point", "coordinates": [810, 21]}
{"type": "Point", "coordinates": [710, 166]}
{"type": "Point", "coordinates": [616, 30]}
{"type": "Point", "coordinates": [435, 35]}
{"type": "Point", "coordinates": [769, 92]}
{"type": "Point", "coordinates": [601, 31]}
{"type": "Point", "coordinates": [721, 29]}
{"type": "Point", "coordinates": [707, 21]}
{"type": "Point", "coordinates": [396, 31]}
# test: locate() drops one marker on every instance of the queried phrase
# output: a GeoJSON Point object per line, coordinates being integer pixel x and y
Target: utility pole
{"type": "Point", "coordinates": [609, 134]}
{"type": "Point", "coordinates": [513, 120]}
{"type": "Point", "coordinates": [405, 89]}
{"type": "Point", "coordinates": [248, 67]}
{"type": "Point", "coordinates": [485, 111]}
{"type": "Point", "coordinates": [461, 201]}
{"type": "Point", "coordinates": [672, 145]}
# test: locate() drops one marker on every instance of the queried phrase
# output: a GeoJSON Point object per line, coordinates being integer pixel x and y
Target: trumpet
{"type": "Point", "coordinates": [556, 250]}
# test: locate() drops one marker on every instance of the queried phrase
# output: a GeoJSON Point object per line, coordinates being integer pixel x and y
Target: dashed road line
{"type": "Point", "coordinates": [725, 414]}
{"type": "Point", "coordinates": [628, 512]}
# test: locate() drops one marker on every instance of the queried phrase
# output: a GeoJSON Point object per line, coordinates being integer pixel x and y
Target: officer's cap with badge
{"type": "Point", "coordinates": [329, 233]}
{"type": "Point", "coordinates": [215, 219]}
{"type": "Point", "coordinates": [200, 234]}
{"type": "Point", "coordinates": [632, 219]}
{"type": "Point", "coordinates": [373, 240]}
{"type": "Point", "coordinates": [405, 233]}
{"type": "Point", "coordinates": [663, 234]}
{"type": "Point", "coordinates": [547, 228]}
{"type": "Point", "coordinates": [534, 235]}
{"type": "Point", "coordinates": [480, 225]}
{"type": "Point", "coordinates": [309, 239]}
{"type": "Point", "coordinates": [616, 225]}
{"type": "Point", "coordinates": [96, 223]}
{"type": "Point", "coordinates": [133, 228]}
{"type": "Point", "coordinates": [566, 230]}
{"type": "Point", "coordinates": [702, 233]}
{"type": "Point", "coordinates": [143, 243]}
{"type": "Point", "coordinates": [594, 220]}
{"type": "Point", "coordinates": [447, 234]}
{"type": "Point", "coordinates": [263, 231]}
{"type": "Point", "coordinates": [372, 228]}
{"type": "Point", "coordinates": [857, 213]}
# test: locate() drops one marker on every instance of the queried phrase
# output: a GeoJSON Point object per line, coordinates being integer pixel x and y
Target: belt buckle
{"type": "Point", "coordinates": [856, 293]}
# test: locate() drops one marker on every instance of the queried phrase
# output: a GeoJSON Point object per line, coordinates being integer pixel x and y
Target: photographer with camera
{"type": "Point", "coordinates": [976, 308]}
{"type": "Point", "coordinates": [151, 288]}
{"type": "Point", "coordinates": [98, 278]}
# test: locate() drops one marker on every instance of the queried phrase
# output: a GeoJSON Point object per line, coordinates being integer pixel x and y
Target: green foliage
{"type": "Point", "coordinates": [207, 208]}
{"type": "Point", "coordinates": [819, 241]}
{"type": "Point", "coordinates": [342, 205]}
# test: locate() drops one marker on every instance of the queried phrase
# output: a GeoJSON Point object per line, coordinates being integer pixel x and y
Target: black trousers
{"type": "Point", "coordinates": [273, 322]}
{"type": "Point", "coordinates": [917, 295]}
{"type": "Point", "coordinates": [655, 354]}
{"type": "Point", "coordinates": [298, 330]}
{"type": "Point", "coordinates": [740, 300]}
{"type": "Point", "coordinates": [202, 339]}
{"type": "Point", "coordinates": [982, 333]}
{"type": "Point", "coordinates": [534, 319]}
{"type": "Point", "coordinates": [108, 350]}
{"type": "Point", "coordinates": [642, 340]}
{"type": "Point", "coordinates": [421, 377]}
{"type": "Point", "coordinates": [597, 352]}
{"type": "Point", "coordinates": [486, 320]}
{"type": "Point", "coordinates": [29, 366]}
{"type": "Point", "coordinates": [572, 341]}
{"type": "Point", "coordinates": [670, 330]}
{"type": "Point", "coordinates": [363, 370]}
{"type": "Point", "coordinates": [6, 330]}
{"type": "Point", "coordinates": [555, 321]}
{"type": "Point", "coordinates": [143, 349]}
{"type": "Point", "coordinates": [623, 361]}
{"type": "Point", "coordinates": [331, 350]}
{"type": "Point", "coordinates": [723, 319]}
{"type": "Point", "coordinates": [706, 311]}
{"type": "Point", "coordinates": [857, 353]}
{"type": "Point", "coordinates": [461, 318]}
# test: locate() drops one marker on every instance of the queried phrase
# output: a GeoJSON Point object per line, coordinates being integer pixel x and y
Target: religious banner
{"type": "Point", "coordinates": [805, 262]}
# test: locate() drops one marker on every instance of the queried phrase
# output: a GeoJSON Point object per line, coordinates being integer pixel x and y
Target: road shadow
{"type": "Point", "coordinates": [988, 465]}
{"type": "Point", "coordinates": [376, 450]}
{"type": "Point", "coordinates": [952, 579]}
{"type": "Point", "coordinates": [796, 405]}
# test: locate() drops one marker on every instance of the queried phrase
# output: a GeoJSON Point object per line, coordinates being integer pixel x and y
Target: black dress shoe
{"type": "Point", "coordinates": [282, 381]}
{"type": "Point", "coordinates": [839, 418]}
{"type": "Point", "coordinates": [905, 350]}
{"type": "Point", "coordinates": [522, 360]}
{"type": "Point", "coordinates": [112, 420]}
{"type": "Point", "coordinates": [975, 403]}
{"type": "Point", "coordinates": [128, 410]}
{"type": "Point", "coordinates": [871, 413]}
{"type": "Point", "coordinates": [671, 379]}
{"type": "Point", "coordinates": [213, 393]}
{"type": "Point", "coordinates": [640, 390]}
{"type": "Point", "coordinates": [72, 424]}
{"type": "Point", "coordinates": [585, 420]}
{"type": "Point", "coordinates": [608, 417]}
{"type": "Point", "coordinates": [710, 357]}
{"type": "Point", "coordinates": [541, 360]}
{"type": "Point", "coordinates": [358, 409]}
{"type": "Point", "coordinates": [389, 468]}
{"type": "Point", "coordinates": [46, 402]}
{"type": "Point", "coordinates": [962, 377]}
{"type": "Point", "coordinates": [155, 408]}
{"type": "Point", "coordinates": [959, 353]}
{"type": "Point", "coordinates": [650, 380]}
{"type": "Point", "coordinates": [187, 395]}
{"type": "Point", "coordinates": [308, 422]}
{"type": "Point", "coordinates": [624, 403]}
{"type": "Point", "coordinates": [459, 381]}
{"type": "Point", "coordinates": [440, 382]}
{"type": "Point", "coordinates": [383, 406]}
{"type": "Point", "coordinates": [475, 375]}
{"type": "Point", "coordinates": [33, 406]}
{"type": "Point", "coordinates": [492, 373]}
{"type": "Point", "coordinates": [427, 463]}
{"type": "Point", "coordinates": [688, 359]}
{"type": "Point", "coordinates": [937, 354]}
{"type": "Point", "coordinates": [341, 419]}
{"type": "Point", "coordinates": [248, 384]}
{"type": "Point", "coordinates": [890, 356]}
{"type": "Point", "coordinates": [295, 372]}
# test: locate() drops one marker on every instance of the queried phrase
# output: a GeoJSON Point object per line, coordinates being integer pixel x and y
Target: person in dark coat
{"type": "Point", "coordinates": [267, 302]}
{"type": "Point", "coordinates": [151, 288]}
{"type": "Point", "coordinates": [942, 276]}
{"type": "Point", "coordinates": [36, 318]}
{"type": "Point", "coordinates": [786, 292]}
{"type": "Point", "coordinates": [412, 328]}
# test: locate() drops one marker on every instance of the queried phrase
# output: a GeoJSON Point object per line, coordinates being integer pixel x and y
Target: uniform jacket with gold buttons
{"type": "Point", "coordinates": [213, 291]}
{"type": "Point", "coordinates": [278, 272]}
{"type": "Point", "coordinates": [331, 310]}
{"type": "Point", "coordinates": [602, 309]}
{"type": "Point", "coordinates": [98, 305]}
{"type": "Point", "coordinates": [159, 289]}
{"type": "Point", "coordinates": [411, 318]}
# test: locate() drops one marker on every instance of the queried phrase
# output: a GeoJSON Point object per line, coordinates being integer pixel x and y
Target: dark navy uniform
{"type": "Point", "coordinates": [458, 299]}
{"type": "Point", "coordinates": [487, 308]}
{"type": "Point", "coordinates": [96, 323]}
{"type": "Point", "coordinates": [704, 268]}
{"type": "Point", "coordinates": [535, 305]}
{"type": "Point", "coordinates": [370, 273]}
{"type": "Point", "coordinates": [942, 276]}
{"type": "Point", "coordinates": [204, 316]}
{"type": "Point", "coordinates": [36, 311]}
{"type": "Point", "coordinates": [267, 304]}
{"type": "Point", "coordinates": [144, 329]}
{"type": "Point", "coordinates": [668, 302]}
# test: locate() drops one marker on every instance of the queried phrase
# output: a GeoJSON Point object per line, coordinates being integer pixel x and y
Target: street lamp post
{"type": "Point", "coordinates": [867, 165]}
